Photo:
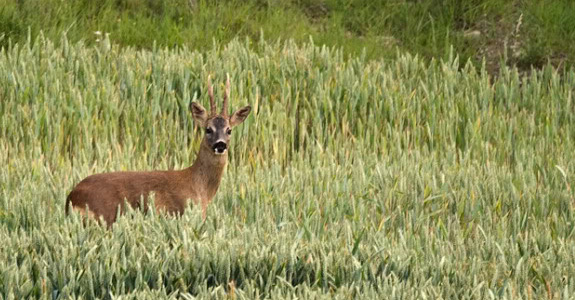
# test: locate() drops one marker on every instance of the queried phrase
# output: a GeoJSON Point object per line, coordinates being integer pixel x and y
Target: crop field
{"type": "Point", "coordinates": [352, 178]}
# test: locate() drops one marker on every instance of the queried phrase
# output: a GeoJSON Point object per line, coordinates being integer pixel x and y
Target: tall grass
{"type": "Point", "coordinates": [390, 178]}
{"type": "Point", "coordinates": [527, 33]}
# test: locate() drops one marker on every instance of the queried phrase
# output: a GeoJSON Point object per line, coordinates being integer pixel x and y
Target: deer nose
{"type": "Point", "coordinates": [220, 147]}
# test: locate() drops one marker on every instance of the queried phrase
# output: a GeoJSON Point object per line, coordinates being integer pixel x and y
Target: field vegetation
{"type": "Point", "coordinates": [353, 177]}
{"type": "Point", "coordinates": [523, 33]}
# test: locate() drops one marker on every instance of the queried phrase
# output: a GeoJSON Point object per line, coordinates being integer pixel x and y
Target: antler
{"type": "Point", "coordinates": [211, 93]}
{"type": "Point", "coordinates": [226, 96]}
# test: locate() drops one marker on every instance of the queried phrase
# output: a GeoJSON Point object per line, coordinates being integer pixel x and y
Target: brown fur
{"type": "Point", "coordinates": [102, 195]}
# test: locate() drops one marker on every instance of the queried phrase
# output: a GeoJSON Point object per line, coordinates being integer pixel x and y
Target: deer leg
{"type": "Point", "coordinates": [204, 209]}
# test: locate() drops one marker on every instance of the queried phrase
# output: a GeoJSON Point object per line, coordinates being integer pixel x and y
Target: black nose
{"type": "Point", "coordinates": [220, 147]}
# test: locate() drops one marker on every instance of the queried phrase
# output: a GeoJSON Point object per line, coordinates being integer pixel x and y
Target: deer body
{"type": "Point", "coordinates": [104, 195]}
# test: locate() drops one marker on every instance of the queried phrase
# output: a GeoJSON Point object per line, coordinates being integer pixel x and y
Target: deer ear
{"type": "Point", "coordinates": [199, 113]}
{"type": "Point", "coordinates": [240, 115]}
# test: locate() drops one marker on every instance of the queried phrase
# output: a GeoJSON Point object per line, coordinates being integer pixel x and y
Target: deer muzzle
{"type": "Point", "coordinates": [220, 148]}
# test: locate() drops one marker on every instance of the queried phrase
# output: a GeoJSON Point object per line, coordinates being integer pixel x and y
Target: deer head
{"type": "Point", "coordinates": [218, 126]}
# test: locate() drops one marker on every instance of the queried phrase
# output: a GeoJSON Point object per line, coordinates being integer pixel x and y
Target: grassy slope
{"type": "Point", "coordinates": [428, 28]}
{"type": "Point", "coordinates": [351, 177]}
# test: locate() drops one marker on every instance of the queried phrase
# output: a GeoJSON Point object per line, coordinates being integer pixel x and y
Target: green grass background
{"type": "Point", "coordinates": [385, 159]}
{"type": "Point", "coordinates": [523, 33]}
{"type": "Point", "coordinates": [352, 178]}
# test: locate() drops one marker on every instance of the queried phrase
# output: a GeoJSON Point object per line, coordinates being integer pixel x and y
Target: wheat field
{"type": "Point", "coordinates": [352, 178]}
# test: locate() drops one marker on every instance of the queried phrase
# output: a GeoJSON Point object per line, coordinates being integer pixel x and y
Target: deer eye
{"type": "Point", "coordinates": [229, 131]}
{"type": "Point", "coordinates": [209, 130]}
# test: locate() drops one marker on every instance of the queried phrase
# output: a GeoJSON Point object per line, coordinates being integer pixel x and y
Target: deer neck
{"type": "Point", "coordinates": [206, 173]}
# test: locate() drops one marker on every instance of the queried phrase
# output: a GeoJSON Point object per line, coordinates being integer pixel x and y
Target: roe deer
{"type": "Point", "coordinates": [102, 195]}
